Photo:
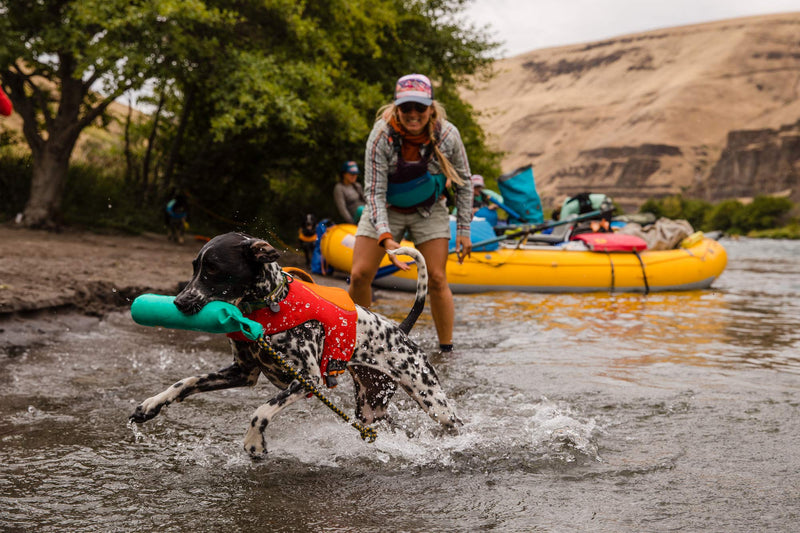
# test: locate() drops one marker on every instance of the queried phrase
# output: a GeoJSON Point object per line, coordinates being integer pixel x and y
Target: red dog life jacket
{"type": "Point", "coordinates": [331, 306]}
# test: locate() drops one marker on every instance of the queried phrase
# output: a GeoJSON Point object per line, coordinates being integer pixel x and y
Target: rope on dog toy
{"type": "Point", "coordinates": [367, 434]}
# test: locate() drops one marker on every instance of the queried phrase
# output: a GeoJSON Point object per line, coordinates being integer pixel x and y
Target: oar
{"type": "Point", "coordinates": [390, 269]}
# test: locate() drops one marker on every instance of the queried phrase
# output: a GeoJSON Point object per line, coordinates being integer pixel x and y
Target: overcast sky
{"type": "Point", "coordinates": [527, 25]}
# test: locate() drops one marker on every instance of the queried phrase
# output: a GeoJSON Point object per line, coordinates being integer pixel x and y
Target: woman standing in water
{"type": "Point", "coordinates": [413, 155]}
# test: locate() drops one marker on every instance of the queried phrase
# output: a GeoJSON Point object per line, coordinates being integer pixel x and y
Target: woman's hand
{"type": "Point", "coordinates": [391, 244]}
{"type": "Point", "coordinates": [463, 247]}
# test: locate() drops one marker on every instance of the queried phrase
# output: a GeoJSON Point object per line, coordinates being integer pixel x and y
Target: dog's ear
{"type": "Point", "coordinates": [263, 252]}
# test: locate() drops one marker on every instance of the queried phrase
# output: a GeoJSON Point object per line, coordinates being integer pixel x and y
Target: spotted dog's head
{"type": "Point", "coordinates": [228, 268]}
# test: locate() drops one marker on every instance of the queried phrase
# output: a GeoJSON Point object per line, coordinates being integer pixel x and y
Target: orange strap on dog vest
{"type": "Point", "coordinates": [331, 306]}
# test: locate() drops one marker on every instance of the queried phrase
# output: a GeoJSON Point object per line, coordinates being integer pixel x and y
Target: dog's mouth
{"type": "Point", "coordinates": [189, 307]}
{"type": "Point", "coordinates": [192, 309]}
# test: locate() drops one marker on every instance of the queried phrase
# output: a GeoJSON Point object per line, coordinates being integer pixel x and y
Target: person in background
{"type": "Point", "coordinates": [5, 104]}
{"type": "Point", "coordinates": [413, 155]}
{"type": "Point", "coordinates": [348, 194]}
{"type": "Point", "coordinates": [176, 217]}
{"type": "Point", "coordinates": [479, 197]}
{"type": "Point", "coordinates": [481, 206]}
{"type": "Point", "coordinates": [307, 235]}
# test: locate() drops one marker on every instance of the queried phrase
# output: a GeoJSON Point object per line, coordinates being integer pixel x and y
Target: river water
{"type": "Point", "coordinates": [590, 412]}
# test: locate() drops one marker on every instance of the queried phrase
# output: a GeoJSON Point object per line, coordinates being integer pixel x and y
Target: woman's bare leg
{"type": "Point", "coordinates": [435, 253]}
{"type": "Point", "coordinates": [367, 255]}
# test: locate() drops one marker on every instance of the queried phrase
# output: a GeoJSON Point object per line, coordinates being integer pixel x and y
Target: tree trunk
{"type": "Point", "coordinates": [188, 103]}
{"type": "Point", "coordinates": [127, 146]}
{"type": "Point", "coordinates": [151, 141]}
{"type": "Point", "coordinates": [43, 209]}
{"type": "Point", "coordinates": [51, 156]}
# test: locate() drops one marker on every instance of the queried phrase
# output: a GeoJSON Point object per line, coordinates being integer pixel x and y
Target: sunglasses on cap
{"type": "Point", "coordinates": [407, 107]}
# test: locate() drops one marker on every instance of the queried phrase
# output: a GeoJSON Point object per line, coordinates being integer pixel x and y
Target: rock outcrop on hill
{"type": "Point", "coordinates": [708, 110]}
{"type": "Point", "coordinates": [765, 161]}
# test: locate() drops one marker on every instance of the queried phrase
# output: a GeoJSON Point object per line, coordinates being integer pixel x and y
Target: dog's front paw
{"type": "Point", "coordinates": [255, 443]}
{"type": "Point", "coordinates": [145, 411]}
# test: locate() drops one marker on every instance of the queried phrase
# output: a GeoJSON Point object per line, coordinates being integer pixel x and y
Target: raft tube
{"type": "Point", "coordinates": [551, 269]}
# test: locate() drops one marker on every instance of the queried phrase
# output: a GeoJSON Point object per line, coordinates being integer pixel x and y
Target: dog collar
{"type": "Point", "coordinates": [271, 300]}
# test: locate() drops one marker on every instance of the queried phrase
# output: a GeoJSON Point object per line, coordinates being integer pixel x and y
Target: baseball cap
{"type": "Point", "coordinates": [413, 88]}
{"type": "Point", "coordinates": [350, 167]}
{"type": "Point", "coordinates": [477, 179]}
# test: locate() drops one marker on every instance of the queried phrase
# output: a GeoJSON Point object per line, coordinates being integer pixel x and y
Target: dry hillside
{"type": "Point", "coordinates": [712, 110]}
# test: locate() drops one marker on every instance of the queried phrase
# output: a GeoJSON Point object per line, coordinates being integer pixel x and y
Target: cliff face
{"type": "Point", "coordinates": [706, 110]}
{"type": "Point", "coordinates": [762, 161]}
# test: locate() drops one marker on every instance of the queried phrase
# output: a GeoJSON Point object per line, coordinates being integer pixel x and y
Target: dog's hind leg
{"type": "Point", "coordinates": [373, 391]}
{"type": "Point", "coordinates": [409, 366]}
{"type": "Point", "coordinates": [232, 376]}
{"type": "Point", "coordinates": [421, 383]}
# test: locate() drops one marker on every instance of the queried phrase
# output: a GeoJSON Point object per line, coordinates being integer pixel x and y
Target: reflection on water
{"type": "Point", "coordinates": [591, 412]}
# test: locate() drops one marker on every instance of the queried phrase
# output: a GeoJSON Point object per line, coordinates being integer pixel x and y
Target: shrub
{"type": "Point", "coordinates": [764, 212]}
{"type": "Point", "coordinates": [95, 199]}
{"type": "Point", "coordinates": [677, 207]}
{"type": "Point", "coordinates": [722, 216]}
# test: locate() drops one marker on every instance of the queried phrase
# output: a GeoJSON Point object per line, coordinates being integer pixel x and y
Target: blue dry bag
{"type": "Point", "coordinates": [519, 193]}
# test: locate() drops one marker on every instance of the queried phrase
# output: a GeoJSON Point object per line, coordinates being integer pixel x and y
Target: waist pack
{"type": "Point", "coordinates": [422, 191]}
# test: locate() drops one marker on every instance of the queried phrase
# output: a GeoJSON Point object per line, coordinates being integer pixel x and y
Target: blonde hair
{"type": "Point", "coordinates": [438, 116]}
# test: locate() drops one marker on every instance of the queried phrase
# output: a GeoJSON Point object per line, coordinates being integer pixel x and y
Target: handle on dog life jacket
{"type": "Point", "coordinates": [214, 317]}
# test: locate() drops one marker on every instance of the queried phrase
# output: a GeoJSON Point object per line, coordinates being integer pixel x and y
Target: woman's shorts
{"type": "Point", "coordinates": [420, 229]}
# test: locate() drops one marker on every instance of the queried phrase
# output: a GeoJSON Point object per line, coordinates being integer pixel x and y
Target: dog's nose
{"type": "Point", "coordinates": [188, 303]}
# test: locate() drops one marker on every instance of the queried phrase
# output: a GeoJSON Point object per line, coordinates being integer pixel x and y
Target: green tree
{"type": "Point", "coordinates": [273, 120]}
{"type": "Point", "coordinates": [64, 62]}
{"type": "Point", "coordinates": [258, 101]}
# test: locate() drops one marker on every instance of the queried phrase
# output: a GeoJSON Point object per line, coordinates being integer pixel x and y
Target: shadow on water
{"type": "Point", "coordinates": [601, 412]}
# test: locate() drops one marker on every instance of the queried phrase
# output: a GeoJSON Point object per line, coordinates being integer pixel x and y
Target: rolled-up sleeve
{"type": "Point", "coordinates": [376, 176]}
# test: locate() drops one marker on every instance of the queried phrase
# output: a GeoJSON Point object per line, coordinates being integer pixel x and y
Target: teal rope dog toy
{"type": "Point", "coordinates": [214, 317]}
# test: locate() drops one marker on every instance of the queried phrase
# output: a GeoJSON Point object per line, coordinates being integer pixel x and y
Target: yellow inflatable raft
{"type": "Point", "coordinates": [693, 266]}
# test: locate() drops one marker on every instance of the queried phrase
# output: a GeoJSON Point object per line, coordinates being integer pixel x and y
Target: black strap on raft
{"type": "Point", "coordinates": [611, 263]}
{"type": "Point", "coordinates": [644, 273]}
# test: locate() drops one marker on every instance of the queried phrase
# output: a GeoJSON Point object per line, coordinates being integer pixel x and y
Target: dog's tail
{"type": "Point", "coordinates": [422, 287]}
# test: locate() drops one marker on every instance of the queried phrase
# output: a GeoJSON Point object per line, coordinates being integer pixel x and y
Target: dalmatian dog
{"type": "Point", "coordinates": [240, 269]}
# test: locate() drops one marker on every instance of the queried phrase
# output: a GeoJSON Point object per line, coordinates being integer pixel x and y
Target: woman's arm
{"type": "Point", "coordinates": [453, 148]}
{"type": "Point", "coordinates": [376, 178]}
